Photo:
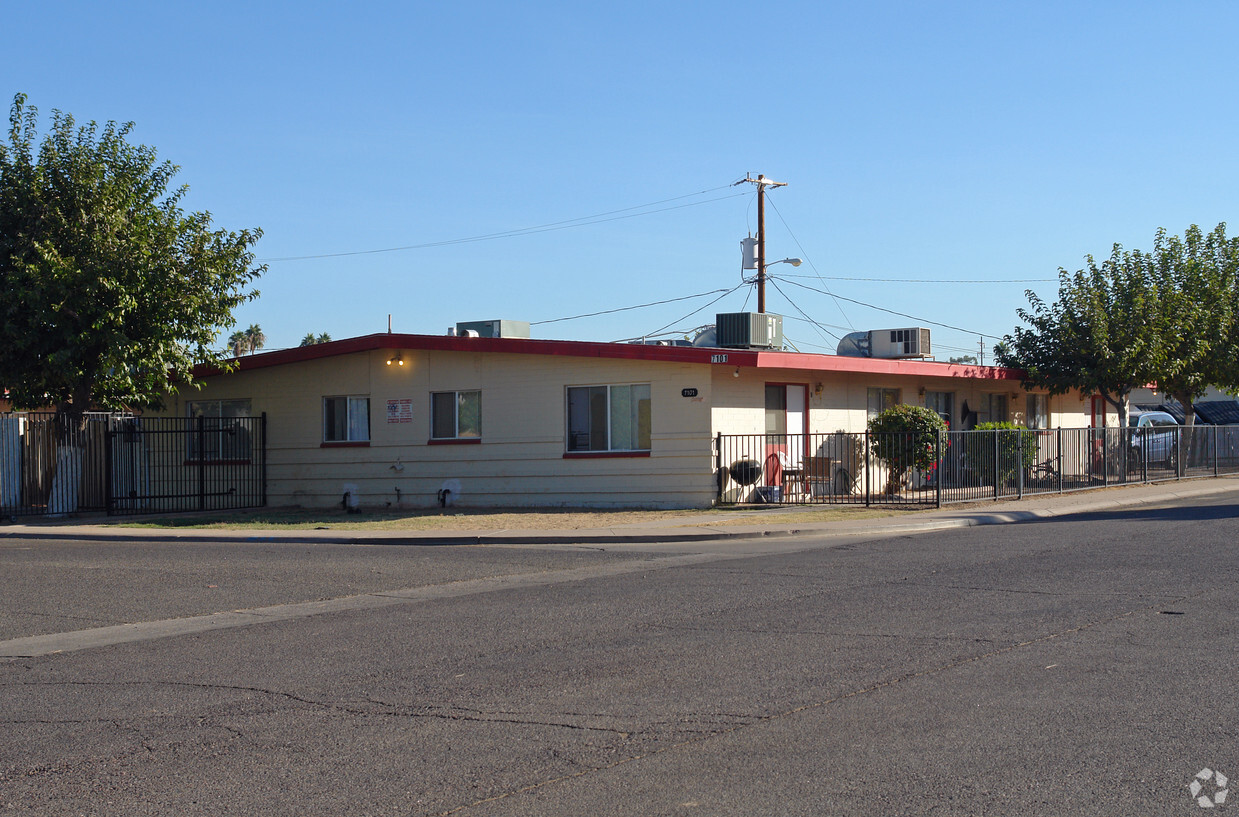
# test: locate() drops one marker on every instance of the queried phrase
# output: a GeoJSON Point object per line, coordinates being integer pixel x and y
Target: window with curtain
{"type": "Point", "coordinates": [994, 409]}
{"type": "Point", "coordinates": [346, 419]}
{"type": "Point", "coordinates": [1037, 414]}
{"type": "Point", "coordinates": [609, 418]}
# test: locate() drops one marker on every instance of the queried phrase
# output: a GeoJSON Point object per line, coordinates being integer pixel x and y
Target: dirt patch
{"type": "Point", "coordinates": [481, 519]}
{"type": "Point", "coordinates": [451, 519]}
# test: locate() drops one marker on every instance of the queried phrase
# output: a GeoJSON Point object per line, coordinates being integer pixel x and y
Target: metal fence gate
{"type": "Point", "coordinates": [158, 464]}
{"type": "Point", "coordinates": [122, 464]}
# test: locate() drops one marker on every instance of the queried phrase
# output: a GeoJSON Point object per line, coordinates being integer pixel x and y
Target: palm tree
{"type": "Point", "coordinates": [254, 338]}
{"type": "Point", "coordinates": [237, 343]}
{"type": "Point", "coordinates": [312, 339]}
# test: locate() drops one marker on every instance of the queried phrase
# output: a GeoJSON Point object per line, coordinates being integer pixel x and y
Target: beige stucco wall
{"type": "Point", "coordinates": [520, 461]}
{"type": "Point", "coordinates": [842, 402]}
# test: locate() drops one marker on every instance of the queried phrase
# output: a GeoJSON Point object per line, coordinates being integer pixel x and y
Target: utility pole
{"type": "Point", "coordinates": [762, 183]}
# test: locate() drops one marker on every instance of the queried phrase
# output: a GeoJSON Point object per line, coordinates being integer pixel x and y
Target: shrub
{"type": "Point", "coordinates": [979, 456]}
{"type": "Point", "coordinates": [905, 437]}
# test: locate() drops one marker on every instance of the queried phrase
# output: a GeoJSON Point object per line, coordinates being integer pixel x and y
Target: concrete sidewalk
{"type": "Point", "coordinates": [708, 525]}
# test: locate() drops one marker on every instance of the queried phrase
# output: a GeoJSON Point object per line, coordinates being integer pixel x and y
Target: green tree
{"type": "Point", "coordinates": [109, 292]}
{"type": "Point", "coordinates": [237, 343]}
{"type": "Point", "coordinates": [1100, 336]}
{"type": "Point", "coordinates": [905, 437]}
{"type": "Point", "coordinates": [1198, 278]}
{"type": "Point", "coordinates": [963, 359]}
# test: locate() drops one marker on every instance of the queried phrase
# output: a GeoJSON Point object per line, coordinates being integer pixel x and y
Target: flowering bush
{"type": "Point", "coordinates": [905, 437]}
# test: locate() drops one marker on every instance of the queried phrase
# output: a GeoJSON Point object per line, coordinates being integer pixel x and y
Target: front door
{"type": "Point", "coordinates": [1098, 406]}
{"type": "Point", "coordinates": [786, 426]}
{"type": "Point", "coordinates": [1098, 433]}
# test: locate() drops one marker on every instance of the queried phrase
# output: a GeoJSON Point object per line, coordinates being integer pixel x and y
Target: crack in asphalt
{"type": "Point", "coordinates": [984, 589]}
{"type": "Point", "coordinates": [447, 712]}
{"type": "Point", "coordinates": [839, 633]}
{"type": "Point", "coordinates": [822, 704]}
{"type": "Point", "coordinates": [62, 616]}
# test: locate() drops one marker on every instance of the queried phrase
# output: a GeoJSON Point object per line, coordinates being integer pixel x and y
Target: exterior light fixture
{"type": "Point", "coordinates": [398, 359]}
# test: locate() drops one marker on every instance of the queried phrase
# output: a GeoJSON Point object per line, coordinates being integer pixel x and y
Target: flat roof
{"type": "Point", "coordinates": [743, 358]}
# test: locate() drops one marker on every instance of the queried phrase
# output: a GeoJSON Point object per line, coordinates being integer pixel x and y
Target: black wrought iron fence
{"type": "Point", "coordinates": [962, 466]}
{"type": "Point", "coordinates": [123, 464]}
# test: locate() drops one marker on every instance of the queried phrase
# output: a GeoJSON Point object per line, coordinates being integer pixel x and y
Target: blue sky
{"type": "Point", "coordinates": [923, 144]}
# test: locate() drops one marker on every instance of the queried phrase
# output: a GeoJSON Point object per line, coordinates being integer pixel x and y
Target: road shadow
{"type": "Point", "coordinates": [1179, 513]}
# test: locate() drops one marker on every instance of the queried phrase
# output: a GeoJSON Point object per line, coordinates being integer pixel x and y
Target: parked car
{"type": "Point", "coordinates": [1154, 438]}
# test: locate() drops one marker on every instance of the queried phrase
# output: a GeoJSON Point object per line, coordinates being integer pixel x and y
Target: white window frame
{"type": "Point", "coordinates": [456, 401]}
{"type": "Point", "coordinates": [357, 409]}
{"type": "Point", "coordinates": [644, 393]}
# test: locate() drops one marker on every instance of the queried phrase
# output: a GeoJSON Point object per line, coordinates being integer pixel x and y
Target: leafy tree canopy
{"type": "Point", "coordinates": [1197, 315]}
{"type": "Point", "coordinates": [1137, 318]}
{"type": "Point", "coordinates": [109, 292]}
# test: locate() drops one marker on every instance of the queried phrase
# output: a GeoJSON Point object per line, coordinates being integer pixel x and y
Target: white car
{"type": "Point", "coordinates": [1154, 438]}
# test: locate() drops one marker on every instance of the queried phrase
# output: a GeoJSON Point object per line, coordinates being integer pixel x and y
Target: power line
{"type": "Point", "coordinates": [893, 312]}
{"type": "Point", "coordinates": [583, 221]}
{"type": "Point", "coordinates": [934, 280]}
{"type": "Point", "coordinates": [695, 311]}
{"type": "Point", "coordinates": [629, 308]}
{"type": "Point", "coordinates": [795, 306]}
{"type": "Point", "coordinates": [812, 266]}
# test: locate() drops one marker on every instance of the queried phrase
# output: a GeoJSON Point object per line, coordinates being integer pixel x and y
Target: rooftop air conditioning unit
{"type": "Point", "coordinates": [749, 330]}
{"type": "Point", "coordinates": [494, 329]}
{"type": "Point", "coordinates": [891, 343]}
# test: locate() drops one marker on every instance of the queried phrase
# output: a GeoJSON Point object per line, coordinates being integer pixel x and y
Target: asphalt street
{"type": "Point", "coordinates": [1076, 665]}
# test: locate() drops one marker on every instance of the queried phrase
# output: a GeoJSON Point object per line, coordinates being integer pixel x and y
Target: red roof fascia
{"type": "Point", "coordinates": [874, 365]}
{"type": "Point", "coordinates": [745, 358]}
